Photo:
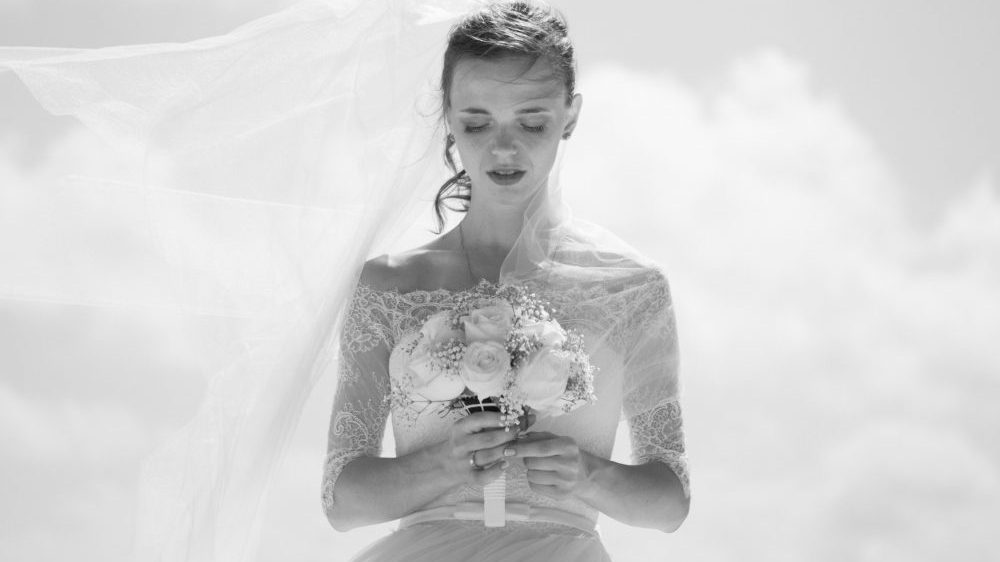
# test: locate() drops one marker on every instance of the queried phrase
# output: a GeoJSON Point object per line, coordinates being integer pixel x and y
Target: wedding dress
{"type": "Point", "coordinates": [629, 326]}
{"type": "Point", "coordinates": [272, 161]}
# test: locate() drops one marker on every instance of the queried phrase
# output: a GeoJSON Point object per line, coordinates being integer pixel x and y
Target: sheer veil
{"type": "Point", "coordinates": [272, 161]}
{"type": "Point", "coordinates": [607, 278]}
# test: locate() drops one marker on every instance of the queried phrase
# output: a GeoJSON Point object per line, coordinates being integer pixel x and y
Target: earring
{"type": "Point", "coordinates": [567, 134]}
{"type": "Point", "coordinates": [451, 138]}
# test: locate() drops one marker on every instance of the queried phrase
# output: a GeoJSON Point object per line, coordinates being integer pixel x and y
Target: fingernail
{"type": "Point", "coordinates": [504, 464]}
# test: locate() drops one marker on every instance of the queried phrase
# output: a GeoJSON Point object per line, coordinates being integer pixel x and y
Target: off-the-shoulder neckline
{"type": "Point", "coordinates": [440, 290]}
{"type": "Point", "coordinates": [593, 289]}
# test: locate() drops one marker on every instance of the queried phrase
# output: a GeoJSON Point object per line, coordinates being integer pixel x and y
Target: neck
{"type": "Point", "coordinates": [492, 227]}
{"type": "Point", "coordinates": [486, 236]}
{"type": "Point", "coordinates": [492, 232]}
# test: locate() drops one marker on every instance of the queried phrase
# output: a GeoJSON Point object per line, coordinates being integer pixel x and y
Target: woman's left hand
{"type": "Point", "coordinates": [557, 467]}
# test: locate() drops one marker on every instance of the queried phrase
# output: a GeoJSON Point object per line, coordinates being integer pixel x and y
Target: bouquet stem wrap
{"type": "Point", "coordinates": [494, 493]}
{"type": "Point", "coordinates": [495, 502]}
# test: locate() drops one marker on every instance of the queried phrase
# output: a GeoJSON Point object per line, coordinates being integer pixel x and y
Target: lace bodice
{"type": "Point", "coordinates": [625, 331]}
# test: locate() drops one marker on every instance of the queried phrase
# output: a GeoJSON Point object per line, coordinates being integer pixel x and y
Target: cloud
{"type": "Point", "coordinates": [811, 309]}
{"type": "Point", "coordinates": [85, 392]}
{"type": "Point", "coordinates": [66, 430]}
{"type": "Point", "coordinates": [905, 492]}
{"type": "Point", "coordinates": [67, 471]}
{"type": "Point", "coordinates": [829, 346]}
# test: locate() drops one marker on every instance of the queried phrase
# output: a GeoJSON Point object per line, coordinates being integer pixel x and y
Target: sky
{"type": "Point", "coordinates": [818, 181]}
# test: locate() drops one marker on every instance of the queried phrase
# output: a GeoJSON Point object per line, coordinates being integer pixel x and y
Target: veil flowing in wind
{"type": "Point", "coordinates": [274, 160]}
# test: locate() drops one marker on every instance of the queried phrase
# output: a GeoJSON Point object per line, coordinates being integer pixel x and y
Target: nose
{"type": "Point", "coordinates": [504, 146]}
{"type": "Point", "coordinates": [501, 151]}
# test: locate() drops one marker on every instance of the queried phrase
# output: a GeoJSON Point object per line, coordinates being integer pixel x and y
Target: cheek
{"type": "Point", "coordinates": [467, 152]}
{"type": "Point", "coordinates": [544, 153]}
{"type": "Point", "coordinates": [473, 144]}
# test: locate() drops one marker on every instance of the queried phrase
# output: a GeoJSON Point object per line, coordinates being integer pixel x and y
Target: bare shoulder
{"type": "Point", "coordinates": [387, 272]}
{"type": "Point", "coordinates": [421, 268]}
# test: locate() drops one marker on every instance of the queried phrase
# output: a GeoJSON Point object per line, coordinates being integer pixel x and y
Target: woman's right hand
{"type": "Point", "coordinates": [481, 434]}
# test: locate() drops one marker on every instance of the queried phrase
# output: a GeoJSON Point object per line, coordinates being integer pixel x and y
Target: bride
{"type": "Point", "coordinates": [509, 101]}
{"type": "Point", "coordinates": [271, 162]}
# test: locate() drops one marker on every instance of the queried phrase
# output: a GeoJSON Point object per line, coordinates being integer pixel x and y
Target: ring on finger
{"type": "Point", "coordinates": [509, 451]}
{"type": "Point", "coordinates": [472, 461]}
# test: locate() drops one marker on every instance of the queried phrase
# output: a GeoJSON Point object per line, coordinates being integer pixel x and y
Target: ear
{"type": "Point", "coordinates": [573, 115]}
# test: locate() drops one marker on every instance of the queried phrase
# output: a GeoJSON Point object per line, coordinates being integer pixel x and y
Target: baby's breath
{"type": "Point", "coordinates": [528, 308]}
{"type": "Point", "coordinates": [446, 356]}
{"type": "Point", "coordinates": [520, 346]}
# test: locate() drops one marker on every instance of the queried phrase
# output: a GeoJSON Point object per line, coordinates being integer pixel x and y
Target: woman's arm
{"type": "Point", "coordinates": [361, 488]}
{"type": "Point", "coordinates": [651, 405]}
{"type": "Point", "coordinates": [644, 495]}
{"type": "Point", "coordinates": [653, 491]}
{"type": "Point", "coordinates": [373, 490]}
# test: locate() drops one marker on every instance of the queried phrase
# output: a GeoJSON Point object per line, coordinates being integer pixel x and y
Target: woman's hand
{"type": "Point", "coordinates": [483, 435]}
{"type": "Point", "coordinates": [646, 495]}
{"type": "Point", "coordinates": [557, 467]}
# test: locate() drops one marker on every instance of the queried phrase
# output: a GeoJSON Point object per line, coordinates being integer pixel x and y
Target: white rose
{"type": "Point", "coordinates": [431, 383]}
{"type": "Point", "coordinates": [490, 322]}
{"type": "Point", "coordinates": [437, 329]}
{"type": "Point", "coordinates": [549, 332]}
{"type": "Point", "coordinates": [484, 368]}
{"type": "Point", "coordinates": [543, 379]}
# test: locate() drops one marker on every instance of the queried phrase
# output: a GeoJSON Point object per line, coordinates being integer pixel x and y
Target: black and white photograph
{"type": "Point", "coordinates": [499, 280]}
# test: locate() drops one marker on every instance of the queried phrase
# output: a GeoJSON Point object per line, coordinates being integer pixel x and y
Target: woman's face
{"type": "Point", "coordinates": [508, 120]}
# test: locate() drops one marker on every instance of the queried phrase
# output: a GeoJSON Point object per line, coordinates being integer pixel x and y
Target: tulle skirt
{"type": "Point", "coordinates": [458, 540]}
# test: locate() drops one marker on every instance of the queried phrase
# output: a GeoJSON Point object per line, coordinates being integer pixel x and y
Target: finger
{"type": "Point", "coordinates": [554, 492]}
{"type": "Point", "coordinates": [536, 435]}
{"type": "Point", "coordinates": [552, 464]}
{"type": "Point", "coordinates": [489, 473]}
{"type": "Point", "coordinates": [498, 453]}
{"type": "Point", "coordinates": [546, 447]}
{"type": "Point", "coordinates": [544, 477]}
{"type": "Point", "coordinates": [489, 438]}
{"type": "Point", "coordinates": [479, 421]}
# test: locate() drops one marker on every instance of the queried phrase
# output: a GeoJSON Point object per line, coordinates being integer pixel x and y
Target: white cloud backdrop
{"type": "Point", "coordinates": [838, 367]}
{"type": "Point", "coordinates": [836, 358]}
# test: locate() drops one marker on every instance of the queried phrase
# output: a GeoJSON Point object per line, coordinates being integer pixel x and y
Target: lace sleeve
{"type": "Point", "coordinates": [658, 434]}
{"type": "Point", "coordinates": [360, 408]}
{"type": "Point", "coordinates": [651, 401]}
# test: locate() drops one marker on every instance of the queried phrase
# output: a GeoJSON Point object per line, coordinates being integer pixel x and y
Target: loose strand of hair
{"type": "Point", "coordinates": [459, 183]}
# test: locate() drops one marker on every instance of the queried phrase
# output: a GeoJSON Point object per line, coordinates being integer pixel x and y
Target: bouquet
{"type": "Point", "coordinates": [498, 347]}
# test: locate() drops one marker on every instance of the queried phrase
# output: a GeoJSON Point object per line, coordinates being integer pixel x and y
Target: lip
{"type": "Point", "coordinates": [506, 178]}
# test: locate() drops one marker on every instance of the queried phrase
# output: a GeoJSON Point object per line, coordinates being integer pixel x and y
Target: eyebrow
{"type": "Point", "coordinates": [527, 110]}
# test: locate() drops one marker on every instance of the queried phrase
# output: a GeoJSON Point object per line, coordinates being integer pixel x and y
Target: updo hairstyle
{"type": "Point", "coordinates": [528, 29]}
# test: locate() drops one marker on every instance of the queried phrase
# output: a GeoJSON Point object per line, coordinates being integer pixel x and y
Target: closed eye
{"type": "Point", "coordinates": [480, 128]}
